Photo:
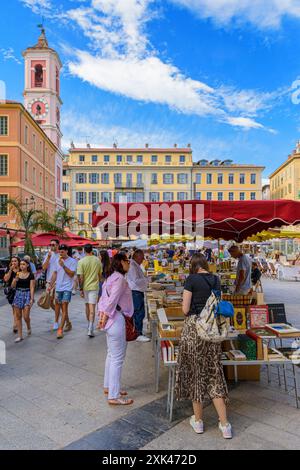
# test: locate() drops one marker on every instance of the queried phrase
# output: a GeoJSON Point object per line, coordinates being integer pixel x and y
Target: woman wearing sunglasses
{"type": "Point", "coordinates": [115, 302]}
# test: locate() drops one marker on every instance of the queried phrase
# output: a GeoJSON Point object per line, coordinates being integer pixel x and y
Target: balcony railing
{"type": "Point", "coordinates": [129, 185]}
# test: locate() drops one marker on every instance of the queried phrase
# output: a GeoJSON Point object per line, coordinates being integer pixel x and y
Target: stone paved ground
{"type": "Point", "coordinates": [50, 394]}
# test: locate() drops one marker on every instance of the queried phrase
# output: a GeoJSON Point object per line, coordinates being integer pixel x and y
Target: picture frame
{"type": "Point", "coordinates": [240, 318]}
{"type": "Point", "coordinates": [259, 316]}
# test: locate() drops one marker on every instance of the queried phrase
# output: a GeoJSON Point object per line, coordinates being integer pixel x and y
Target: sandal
{"type": "Point", "coordinates": [122, 393]}
{"type": "Point", "coordinates": [120, 401]}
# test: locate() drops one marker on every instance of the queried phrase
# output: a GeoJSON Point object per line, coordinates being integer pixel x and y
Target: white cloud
{"type": "Point", "coordinates": [120, 59]}
{"type": "Point", "coordinates": [9, 54]}
{"type": "Point", "coordinates": [261, 13]}
{"type": "Point", "coordinates": [38, 6]}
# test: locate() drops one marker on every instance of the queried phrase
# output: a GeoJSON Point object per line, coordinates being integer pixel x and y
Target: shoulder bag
{"type": "Point", "coordinates": [131, 332]}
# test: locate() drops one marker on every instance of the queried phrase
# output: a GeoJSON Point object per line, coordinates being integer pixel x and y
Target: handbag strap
{"type": "Point", "coordinates": [118, 308]}
{"type": "Point", "coordinates": [212, 287]}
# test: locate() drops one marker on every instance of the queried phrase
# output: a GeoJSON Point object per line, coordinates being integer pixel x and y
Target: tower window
{"type": "Point", "coordinates": [38, 76]}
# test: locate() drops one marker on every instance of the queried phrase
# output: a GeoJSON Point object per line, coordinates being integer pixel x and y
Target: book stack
{"type": "Point", "coordinates": [282, 330]}
{"type": "Point", "coordinates": [290, 353]}
{"type": "Point", "coordinates": [236, 355]}
{"type": "Point", "coordinates": [169, 352]}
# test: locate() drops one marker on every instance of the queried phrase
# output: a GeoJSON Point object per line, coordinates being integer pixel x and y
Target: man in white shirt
{"type": "Point", "coordinates": [63, 274]}
{"type": "Point", "coordinates": [138, 283]}
{"type": "Point", "coordinates": [49, 263]}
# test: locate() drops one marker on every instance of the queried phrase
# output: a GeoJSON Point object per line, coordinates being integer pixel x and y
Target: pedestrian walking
{"type": "Point", "coordinates": [89, 271]}
{"type": "Point", "coordinates": [115, 303]}
{"type": "Point", "coordinates": [200, 371]}
{"type": "Point", "coordinates": [12, 270]}
{"type": "Point", "coordinates": [105, 262]}
{"type": "Point", "coordinates": [32, 265]}
{"type": "Point", "coordinates": [63, 274]}
{"type": "Point", "coordinates": [138, 283]}
{"type": "Point", "coordinates": [24, 283]}
{"type": "Point", "coordinates": [49, 264]}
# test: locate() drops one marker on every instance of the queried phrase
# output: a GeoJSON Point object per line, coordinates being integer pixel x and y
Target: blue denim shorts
{"type": "Point", "coordinates": [63, 297]}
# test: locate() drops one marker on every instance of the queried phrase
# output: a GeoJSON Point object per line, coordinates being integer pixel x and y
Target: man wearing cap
{"type": "Point", "coordinates": [89, 272]}
{"type": "Point", "coordinates": [64, 272]}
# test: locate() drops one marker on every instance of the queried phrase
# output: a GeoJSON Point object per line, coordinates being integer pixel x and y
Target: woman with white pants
{"type": "Point", "coordinates": [115, 302]}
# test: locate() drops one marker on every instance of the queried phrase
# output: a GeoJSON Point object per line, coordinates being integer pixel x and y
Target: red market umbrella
{"type": "Point", "coordinates": [229, 220]}
{"type": "Point", "coordinates": [69, 239]}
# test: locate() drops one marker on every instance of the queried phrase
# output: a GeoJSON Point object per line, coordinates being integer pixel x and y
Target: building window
{"type": "Point", "coordinates": [168, 159]}
{"type": "Point", "coordinates": [168, 178]}
{"type": "Point", "coordinates": [81, 198]}
{"type": "Point", "coordinates": [65, 187]}
{"type": "Point", "coordinates": [90, 218]}
{"type": "Point", "coordinates": [242, 178]}
{"type": "Point", "coordinates": [38, 76]}
{"type": "Point", "coordinates": [182, 159]}
{"type": "Point", "coordinates": [3, 125]}
{"type": "Point", "coordinates": [119, 158]}
{"type": "Point", "coordinates": [220, 178]}
{"type": "Point", "coordinates": [198, 178]}
{"type": "Point", "coordinates": [198, 196]}
{"type": "Point", "coordinates": [94, 178]}
{"type": "Point", "coordinates": [231, 196]}
{"type": "Point", "coordinates": [81, 217]}
{"type": "Point", "coordinates": [34, 176]}
{"type": "Point", "coordinates": [93, 197]}
{"type": "Point", "coordinates": [94, 158]}
{"type": "Point", "coordinates": [182, 178]}
{"type": "Point", "coordinates": [81, 158]}
{"type": "Point", "coordinates": [3, 165]}
{"type": "Point", "coordinates": [129, 180]}
{"type": "Point", "coordinates": [3, 204]}
{"type": "Point", "coordinates": [41, 149]}
{"type": "Point", "coordinates": [118, 178]}
{"type": "Point", "coordinates": [154, 159]}
{"type": "Point", "coordinates": [139, 179]}
{"type": "Point", "coordinates": [129, 158]}
{"type": "Point", "coordinates": [154, 197]}
{"type": "Point", "coordinates": [253, 178]}
{"type": "Point", "coordinates": [3, 242]}
{"type": "Point", "coordinates": [26, 135]}
{"type": "Point", "coordinates": [182, 196]}
{"type": "Point", "coordinates": [105, 178]}
{"type": "Point", "coordinates": [105, 197]}
{"type": "Point", "coordinates": [106, 158]}
{"type": "Point", "coordinates": [34, 142]}
{"type": "Point", "coordinates": [253, 196]}
{"type": "Point", "coordinates": [209, 178]}
{"type": "Point", "coordinates": [154, 178]}
{"type": "Point", "coordinates": [66, 203]}
{"type": "Point", "coordinates": [209, 196]}
{"type": "Point", "coordinates": [81, 178]}
{"type": "Point", "coordinates": [64, 172]}
{"type": "Point", "coordinates": [168, 197]}
{"type": "Point", "coordinates": [139, 159]}
{"type": "Point", "coordinates": [231, 178]}
{"type": "Point", "coordinates": [220, 196]}
{"type": "Point", "coordinates": [242, 196]}
{"type": "Point", "coordinates": [26, 170]}
{"type": "Point", "coordinates": [41, 181]}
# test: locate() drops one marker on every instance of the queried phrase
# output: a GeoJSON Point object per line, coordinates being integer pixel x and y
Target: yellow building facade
{"type": "Point", "coordinates": [285, 180]}
{"type": "Point", "coordinates": [150, 175]}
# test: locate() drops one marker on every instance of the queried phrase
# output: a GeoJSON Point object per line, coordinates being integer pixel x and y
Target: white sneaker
{"type": "Point", "coordinates": [91, 332]}
{"type": "Point", "coordinates": [55, 327]}
{"type": "Point", "coordinates": [143, 339]}
{"type": "Point", "coordinates": [18, 340]}
{"type": "Point", "coordinates": [198, 426]}
{"type": "Point", "coordinates": [226, 430]}
{"type": "Point", "coordinates": [74, 292]}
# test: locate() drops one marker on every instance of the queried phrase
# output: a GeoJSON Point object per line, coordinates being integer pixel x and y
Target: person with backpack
{"type": "Point", "coordinates": [200, 371]}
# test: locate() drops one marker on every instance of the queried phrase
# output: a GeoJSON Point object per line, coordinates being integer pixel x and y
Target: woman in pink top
{"type": "Point", "coordinates": [115, 302]}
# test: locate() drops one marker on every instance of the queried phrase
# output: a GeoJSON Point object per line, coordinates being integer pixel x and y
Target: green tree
{"type": "Point", "coordinates": [63, 219]}
{"type": "Point", "coordinates": [29, 220]}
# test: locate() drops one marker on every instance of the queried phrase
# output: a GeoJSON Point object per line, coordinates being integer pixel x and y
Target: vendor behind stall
{"type": "Point", "coordinates": [243, 275]}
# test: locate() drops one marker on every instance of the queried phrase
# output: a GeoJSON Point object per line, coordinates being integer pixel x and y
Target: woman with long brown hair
{"type": "Point", "coordinates": [24, 283]}
{"type": "Point", "coordinates": [200, 371]}
{"type": "Point", "coordinates": [13, 269]}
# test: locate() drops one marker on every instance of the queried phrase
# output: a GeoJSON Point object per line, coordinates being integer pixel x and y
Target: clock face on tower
{"type": "Point", "coordinates": [38, 108]}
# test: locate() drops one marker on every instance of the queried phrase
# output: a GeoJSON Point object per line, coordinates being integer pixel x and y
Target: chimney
{"type": "Point", "coordinates": [175, 146]}
{"type": "Point", "coordinates": [147, 146]}
{"type": "Point", "coordinates": [88, 146]}
{"type": "Point", "coordinates": [115, 145]}
{"type": "Point", "coordinates": [189, 146]}
{"type": "Point", "coordinates": [72, 144]}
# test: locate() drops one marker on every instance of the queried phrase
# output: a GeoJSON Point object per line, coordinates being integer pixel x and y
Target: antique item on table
{"type": "Point", "coordinates": [260, 335]}
{"type": "Point", "coordinates": [259, 316]}
{"type": "Point", "coordinates": [240, 318]}
{"type": "Point", "coordinates": [248, 346]}
{"type": "Point", "coordinates": [283, 330]}
{"type": "Point", "coordinates": [236, 355]}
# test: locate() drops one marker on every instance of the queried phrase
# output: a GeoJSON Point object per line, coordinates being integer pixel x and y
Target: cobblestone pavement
{"type": "Point", "coordinates": [51, 395]}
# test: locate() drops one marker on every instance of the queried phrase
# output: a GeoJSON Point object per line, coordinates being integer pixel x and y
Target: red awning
{"type": "Point", "coordinates": [69, 239]}
{"type": "Point", "coordinates": [229, 220]}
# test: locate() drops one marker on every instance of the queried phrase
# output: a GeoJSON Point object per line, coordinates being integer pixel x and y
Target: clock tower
{"type": "Point", "coordinates": [42, 87]}
{"type": "Point", "coordinates": [42, 98]}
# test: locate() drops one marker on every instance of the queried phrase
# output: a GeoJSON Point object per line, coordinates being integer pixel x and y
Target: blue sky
{"type": "Point", "coordinates": [218, 74]}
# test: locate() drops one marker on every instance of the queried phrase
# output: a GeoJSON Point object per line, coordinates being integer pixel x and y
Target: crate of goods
{"type": "Point", "coordinates": [171, 329]}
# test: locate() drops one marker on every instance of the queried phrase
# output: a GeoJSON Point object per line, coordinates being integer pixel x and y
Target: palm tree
{"type": "Point", "coordinates": [63, 219]}
{"type": "Point", "coordinates": [29, 220]}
